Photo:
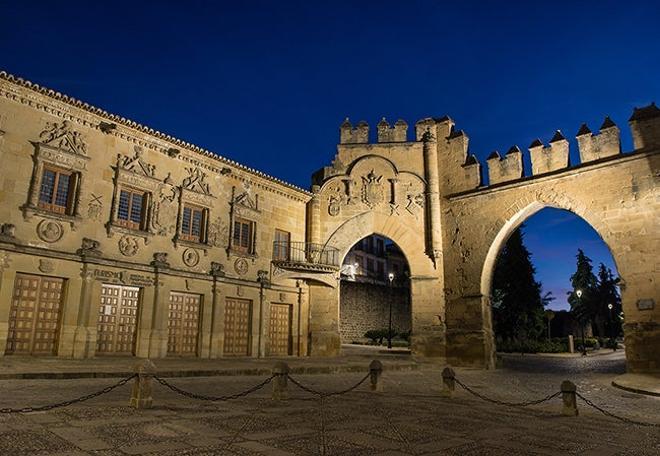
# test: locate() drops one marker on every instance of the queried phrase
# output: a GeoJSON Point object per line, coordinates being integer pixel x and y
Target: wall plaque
{"type": "Point", "coordinates": [645, 304]}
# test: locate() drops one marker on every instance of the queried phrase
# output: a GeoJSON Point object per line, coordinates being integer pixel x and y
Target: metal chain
{"type": "Point", "coordinates": [203, 397]}
{"type": "Point", "coordinates": [610, 414]}
{"type": "Point", "coordinates": [87, 397]}
{"type": "Point", "coordinates": [321, 394]}
{"type": "Point", "coordinates": [508, 404]}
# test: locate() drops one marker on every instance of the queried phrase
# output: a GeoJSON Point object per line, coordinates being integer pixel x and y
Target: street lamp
{"type": "Point", "coordinates": [612, 335]}
{"type": "Point", "coordinates": [390, 277]}
{"type": "Point", "coordinates": [584, 345]}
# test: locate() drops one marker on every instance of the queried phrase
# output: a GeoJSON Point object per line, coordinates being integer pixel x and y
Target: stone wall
{"type": "Point", "coordinates": [365, 306]}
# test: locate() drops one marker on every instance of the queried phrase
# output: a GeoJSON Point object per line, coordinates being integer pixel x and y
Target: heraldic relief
{"type": "Point", "coordinates": [373, 187]}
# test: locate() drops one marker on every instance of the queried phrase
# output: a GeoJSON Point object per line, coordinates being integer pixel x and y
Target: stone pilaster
{"type": "Point", "coordinates": [432, 196]}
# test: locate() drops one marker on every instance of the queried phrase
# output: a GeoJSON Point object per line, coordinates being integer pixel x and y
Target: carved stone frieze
{"type": "Point", "coordinates": [245, 202]}
{"type": "Point", "coordinates": [136, 163]}
{"type": "Point", "coordinates": [196, 181]}
{"type": "Point", "coordinates": [63, 137]}
{"type": "Point", "coordinates": [128, 245]}
{"type": "Point", "coordinates": [63, 158]}
{"type": "Point", "coordinates": [50, 231]}
{"type": "Point", "coordinates": [190, 257]}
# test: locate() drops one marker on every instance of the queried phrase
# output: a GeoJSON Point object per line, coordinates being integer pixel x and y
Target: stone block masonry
{"type": "Point", "coordinates": [365, 306]}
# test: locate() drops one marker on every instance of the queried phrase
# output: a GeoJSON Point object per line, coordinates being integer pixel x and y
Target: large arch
{"type": "Point", "coordinates": [426, 295]}
{"type": "Point", "coordinates": [515, 219]}
{"type": "Point", "coordinates": [497, 244]}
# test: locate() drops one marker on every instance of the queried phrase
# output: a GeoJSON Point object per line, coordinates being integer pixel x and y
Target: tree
{"type": "Point", "coordinates": [607, 293]}
{"type": "Point", "coordinates": [518, 306]}
{"type": "Point", "coordinates": [584, 307]}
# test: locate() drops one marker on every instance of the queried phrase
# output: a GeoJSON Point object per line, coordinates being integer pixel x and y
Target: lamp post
{"type": "Point", "coordinates": [390, 277]}
{"type": "Point", "coordinates": [578, 293]}
{"type": "Point", "coordinates": [612, 335]}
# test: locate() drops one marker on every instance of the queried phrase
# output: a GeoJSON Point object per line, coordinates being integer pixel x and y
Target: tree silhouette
{"type": "Point", "coordinates": [583, 308]}
{"type": "Point", "coordinates": [607, 293]}
{"type": "Point", "coordinates": [517, 301]}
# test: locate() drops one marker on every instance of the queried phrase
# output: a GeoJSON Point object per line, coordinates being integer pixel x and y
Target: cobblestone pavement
{"type": "Point", "coordinates": [409, 417]}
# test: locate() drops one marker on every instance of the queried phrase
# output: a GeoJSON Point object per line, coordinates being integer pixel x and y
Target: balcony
{"type": "Point", "coordinates": [305, 256]}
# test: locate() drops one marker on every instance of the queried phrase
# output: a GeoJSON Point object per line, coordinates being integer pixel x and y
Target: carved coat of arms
{"type": "Point", "coordinates": [372, 189]}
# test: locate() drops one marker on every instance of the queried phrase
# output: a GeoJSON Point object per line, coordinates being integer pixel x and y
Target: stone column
{"type": "Point", "coordinates": [69, 312]}
{"type": "Point", "coordinates": [84, 343]}
{"type": "Point", "coordinates": [217, 312]}
{"type": "Point", "coordinates": [158, 338]}
{"type": "Point", "coordinates": [145, 310]}
{"type": "Point", "coordinates": [314, 216]}
{"type": "Point", "coordinates": [432, 196]}
{"type": "Point", "coordinates": [7, 277]}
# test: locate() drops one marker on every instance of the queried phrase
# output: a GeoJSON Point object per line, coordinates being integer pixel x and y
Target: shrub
{"type": "Point", "coordinates": [405, 335]}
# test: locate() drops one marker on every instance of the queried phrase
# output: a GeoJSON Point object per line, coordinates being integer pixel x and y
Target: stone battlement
{"type": "Point", "coordinates": [461, 169]}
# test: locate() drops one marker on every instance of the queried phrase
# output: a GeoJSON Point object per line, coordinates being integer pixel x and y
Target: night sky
{"type": "Point", "coordinates": [268, 83]}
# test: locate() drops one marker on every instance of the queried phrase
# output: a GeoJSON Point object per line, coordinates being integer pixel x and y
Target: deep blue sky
{"type": "Point", "coordinates": [268, 83]}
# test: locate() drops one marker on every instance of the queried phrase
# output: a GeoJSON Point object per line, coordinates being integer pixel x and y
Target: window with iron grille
{"type": "Point", "coordinates": [281, 246]}
{"type": "Point", "coordinates": [243, 236]}
{"type": "Point", "coordinates": [56, 193]}
{"type": "Point", "coordinates": [132, 208]}
{"type": "Point", "coordinates": [193, 223]}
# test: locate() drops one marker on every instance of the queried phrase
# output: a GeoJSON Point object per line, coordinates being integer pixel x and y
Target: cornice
{"type": "Point", "coordinates": [141, 134]}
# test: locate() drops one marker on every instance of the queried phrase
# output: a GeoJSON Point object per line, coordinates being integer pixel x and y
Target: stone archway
{"type": "Point", "coordinates": [507, 229]}
{"type": "Point", "coordinates": [427, 337]}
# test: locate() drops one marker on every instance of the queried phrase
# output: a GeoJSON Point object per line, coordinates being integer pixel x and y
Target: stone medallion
{"type": "Point", "coordinates": [50, 231]}
{"type": "Point", "coordinates": [241, 266]}
{"type": "Point", "coordinates": [190, 258]}
{"type": "Point", "coordinates": [128, 246]}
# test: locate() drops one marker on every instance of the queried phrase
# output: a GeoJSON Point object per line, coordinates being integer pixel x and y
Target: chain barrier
{"type": "Point", "coordinates": [508, 404]}
{"type": "Point", "coordinates": [203, 397]}
{"type": "Point", "coordinates": [324, 395]}
{"type": "Point", "coordinates": [612, 415]}
{"type": "Point", "coordinates": [43, 408]}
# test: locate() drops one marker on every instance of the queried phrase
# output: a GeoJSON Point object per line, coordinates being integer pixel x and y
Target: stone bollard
{"type": "Point", "coordinates": [448, 382]}
{"type": "Point", "coordinates": [280, 382]}
{"type": "Point", "coordinates": [141, 392]}
{"type": "Point", "coordinates": [376, 371]}
{"type": "Point", "coordinates": [571, 344]}
{"type": "Point", "coordinates": [569, 399]}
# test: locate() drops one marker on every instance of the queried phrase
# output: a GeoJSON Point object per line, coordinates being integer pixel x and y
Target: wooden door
{"type": "Point", "coordinates": [279, 329]}
{"type": "Point", "coordinates": [34, 316]}
{"type": "Point", "coordinates": [238, 324]}
{"type": "Point", "coordinates": [117, 322]}
{"type": "Point", "coordinates": [183, 323]}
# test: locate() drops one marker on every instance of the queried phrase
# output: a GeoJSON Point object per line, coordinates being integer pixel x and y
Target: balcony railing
{"type": "Point", "coordinates": [305, 255]}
